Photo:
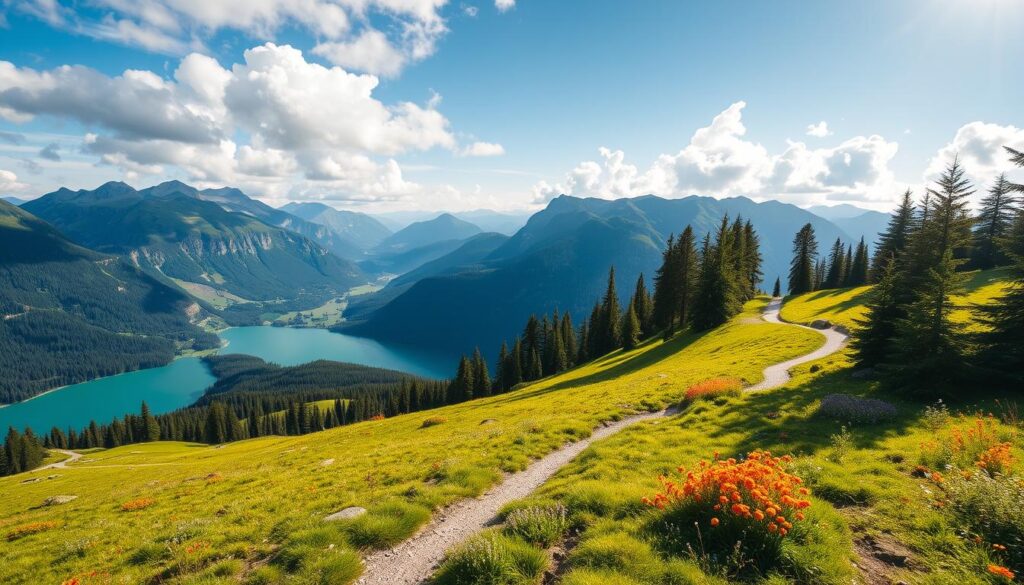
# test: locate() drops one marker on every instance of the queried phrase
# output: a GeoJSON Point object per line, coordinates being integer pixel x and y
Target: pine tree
{"type": "Point", "coordinates": [893, 242]}
{"type": "Point", "coordinates": [594, 331]}
{"type": "Point", "coordinates": [643, 306]}
{"type": "Point", "coordinates": [752, 264]}
{"type": "Point", "coordinates": [717, 298]}
{"type": "Point", "coordinates": [847, 265]}
{"type": "Point", "coordinates": [569, 340]}
{"type": "Point", "coordinates": [630, 328]}
{"type": "Point", "coordinates": [802, 268]}
{"type": "Point", "coordinates": [504, 368]}
{"type": "Point", "coordinates": [686, 281]}
{"type": "Point", "coordinates": [516, 374]}
{"type": "Point", "coordinates": [610, 332]}
{"type": "Point", "coordinates": [858, 275]}
{"type": "Point", "coordinates": [665, 287]}
{"type": "Point", "coordinates": [13, 452]}
{"type": "Point", "coordinates": [150, 428]}
{"type": "Point", "coordinates": [872, 340]}
{"type": "Point", "coordinates": [216, 427]}
{"type": "Point", "coordinates": [777, 289]}
{"type": "Point", "coordinates": [994, 220]}
{"type": "Point", "coordinates": [535, 371]}
{"type": "Point", "coordinates": [481, 377]}
{"type": "Point", "coordinates": [820, 270]}
{"type": "Point", "coordinates": [836, 266]}
{"type": "Point", "coordinates": [461, 388]}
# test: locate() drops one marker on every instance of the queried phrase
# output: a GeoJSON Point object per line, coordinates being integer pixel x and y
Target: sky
{"type": "Point", "coordinates": [384, 105]}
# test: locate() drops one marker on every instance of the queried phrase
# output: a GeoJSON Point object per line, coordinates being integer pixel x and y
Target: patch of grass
{"type": "Point", "coordinates": [385, 525]}
{"type": "Point", "coordinates": [493, 559]}
{"type": "Point", "coordinates": [433, 421]}
{"type": "Point", "coordinates": [542, 526]}
{"type": "Point", "coordinates": [618, 552]}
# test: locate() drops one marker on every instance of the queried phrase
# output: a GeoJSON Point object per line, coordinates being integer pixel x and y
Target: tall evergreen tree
{"type": "Point", "coordinates": [893, 242]}
{"type": "Point", "coordinates": [481, 377]}
{"type": "Point", "coordinates": [858, 275]}
{"type": "Point", "coordinates": [777, 289]}
{"type": "Point", "coordinates": [752, 262]}
{"type": "Point", "coordinates": [717, 298]}
{"type": "Point", "coordinates": [802, 267]}
{"type": "Point", "coordinates": [836, 266]}
{"type": "Point", "coordinates": [569, 339]}
{"type": "Point", "coordinates": [643, 307]}
{"type": "Point", "coordinates": [610, 332]}
{"type": "Point", "coordinates": [150, 428]}
{"type": "Point", "coordinates": [664, 308]}
{"type": "Point", "coordinates": [872, 340]}
{"type": "Point", "coordinates": [630, 328]}
{"type": "Point", "coordinates": [216, 427]}
{"type": "Point", "coordinates": [994, 220]}
{"type": "Point", "coordinates": [502, 374]}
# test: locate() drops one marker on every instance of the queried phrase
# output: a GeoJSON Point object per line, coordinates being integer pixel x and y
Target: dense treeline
{"type": "Point", "coordinates": [844, 266]}
{"type": "Point", "coordinates": [20, 452]}
{"type": "Point", "coordinates": [700, 289]}
{"type": "Point", "coordinates": [908, 334]}
{"type": "Point", "coordinates": [252, 398]}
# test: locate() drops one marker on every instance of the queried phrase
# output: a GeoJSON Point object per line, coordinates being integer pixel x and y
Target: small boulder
{"type": "Point", "coordinates": [327, 462]}
{"type": "Point", "coordinates": [346, 514]}
{"type": "Point", "coordinates": [58, 500]}
{"type": "Point", "coordinates": [488, 421]}
{"type": "Point", "coordinates": [821, 324]}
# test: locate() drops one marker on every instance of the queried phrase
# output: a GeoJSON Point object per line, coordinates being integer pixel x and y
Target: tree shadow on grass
{"type": "Point", "coordinates": [783, 420]}
{"type": "Point", "coordinates": [614, 365]}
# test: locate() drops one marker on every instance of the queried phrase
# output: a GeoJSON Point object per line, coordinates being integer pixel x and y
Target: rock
{"type": "Point", "coordinates": [815, 368]}
{"type": "Point", "coordinates": [32, 480]}
{"type": "Point", "coordinates": [821, 324]}
{"type": "Point", "coordinates": [346, 514]}
{"type": "Point", "coordinates": [488, 421]}
{"type": "Point", "coordinates": [57, 500]}
{"type": "Point", "coordinates": [327, 462]}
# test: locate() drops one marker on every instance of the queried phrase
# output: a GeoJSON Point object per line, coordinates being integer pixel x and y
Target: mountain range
{"type": "Point", "coordinates": [560, 260]}
{"type": "Point", "coordinates": [69, 314]}
{"type": "Point", "coordinates": [12, 200]}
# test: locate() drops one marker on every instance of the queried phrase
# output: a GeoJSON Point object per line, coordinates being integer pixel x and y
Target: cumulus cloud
{"type": "Point", "coordinates": [263, 120]}
{"type": "Point", "coordinates": [979, 146]}
{"type": "Point", "coordinates": [371, 52]}
{"type": "Point", "coordinates": [719, 161]}
{"type": "Point", "coordinates": [504, 5]}
{"type": "Point", "coordinates": [9, 182]}
{"type": "Point", "coordinates": [819, 130]}
{"type": "Point", "coordinates": [483, 149]}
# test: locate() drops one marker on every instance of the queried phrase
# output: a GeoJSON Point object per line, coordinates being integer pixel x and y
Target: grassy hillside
{"type": "Point", "coordinates": [846, 305]}
{"type": "Point", "coordinates": [203, 519]}
{"type": "Point", "coordinates": [879, 513]}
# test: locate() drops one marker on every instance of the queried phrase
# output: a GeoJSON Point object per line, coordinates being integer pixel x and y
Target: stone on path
{"type": "Point", "coordinates": [57, 500]}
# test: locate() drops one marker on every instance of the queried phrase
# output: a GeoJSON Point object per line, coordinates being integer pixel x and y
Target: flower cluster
{"type": "Point", "coordinates": [1001, 571]}
{"type": "Point", "coordinates": [996, 459]}
{"type": "Point", "coordinates": [967, 445]}
{"type": "Point", "coordinates": [757, 490]}
{"type": "Point", "coordinates": [27, 529]}
{"type": "Point", "coordinates": [712, 388]}
{"type": "Point", "coordinates": [137, 504]}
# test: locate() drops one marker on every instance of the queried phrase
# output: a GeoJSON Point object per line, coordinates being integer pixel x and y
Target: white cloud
{"type": "Point", "coordinates": [9, 182]}
{"type": "Point", "coordinates": [980, 148]}
{"type": "Point", "coordinates": [470, 11]}
{"type": "Point", "coordinates": [504, 5]}
{"type": "Point", "coordinates": [719, 161]}
{"type": "Point", "coordinates": [371, 53]}
{"type": "Point", "coordinates": [483, 149]}
{"type": "Point", "coordinates": [819, 130]}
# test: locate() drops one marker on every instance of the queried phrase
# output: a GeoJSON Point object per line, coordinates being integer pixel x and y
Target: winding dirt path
{"type": "Point", "coordinates": [777, 375]}
{"type": "Point", "coordinates": [413, 561]}
{"type": "Point", "coordinates": [72, 457]}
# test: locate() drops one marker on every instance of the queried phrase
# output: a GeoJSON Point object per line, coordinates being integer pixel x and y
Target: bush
{"type": "Point", "coordinates": [854, 409]}
{"type": "Point", "coordinates": [992, 508]}
{"type": "Point", "coordinates": [433, 421]}
{"type": "Point", "coordinates": [713, 388]}
{"type": "Point", "coordinates": [386, 525]}
{"type": "Point", "coordinates": [27, 529]}
{"type": "Point", "coordinates": [543, 526]}
{"type": "Point", "coordinates": [730, 515]}
{"type": "Point", "coordinates": [493, 559]}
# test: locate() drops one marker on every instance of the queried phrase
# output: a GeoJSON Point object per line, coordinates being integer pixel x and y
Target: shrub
{"type": "Point", "coordinates": [493, 559]}
{"type": "Point", "coordinates": [731, 515]}
{"type": "Point", "coordinates": [386, 525]}
{"type": "Point", "coordinates": [433, 421]}
{"type": "Point", "coordinates": [992, 508]}
{"type": "Point", "coordinates": [27, 529]}
{"type": "Point", "coordinates": [842, 443]}
{"type": "Point", "coordinates": [713, 388]}
{"type": "Point", "coordinates": [538, 525]}
{"type": "Point", "coordinates": [972, 443]}
{"type": "Point", "coordinates": [137, 504]}
{"type": "Point", "coordinates": [855, 409]}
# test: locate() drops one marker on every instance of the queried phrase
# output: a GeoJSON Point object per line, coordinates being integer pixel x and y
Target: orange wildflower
{"type": "Point", "coordinates": [714, 521]}
{"type": "Point", "coordinates": [1001, 571]}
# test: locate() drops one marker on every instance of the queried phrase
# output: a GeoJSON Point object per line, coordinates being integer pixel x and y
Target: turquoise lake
{"type": "Point", "coordinates": [182, 381]}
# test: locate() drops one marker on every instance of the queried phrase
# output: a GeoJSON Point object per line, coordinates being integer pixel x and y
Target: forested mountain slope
{"type": "Point", "coordinates": [70, 314]}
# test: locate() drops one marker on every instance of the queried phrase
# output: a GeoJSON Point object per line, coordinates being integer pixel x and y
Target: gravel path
{"type": "Point", "coordinates": [414, 561]}
{"type": "Point", "coordinates": [777, 375]}
{"type": "Point", "coordinates": [72, 457]}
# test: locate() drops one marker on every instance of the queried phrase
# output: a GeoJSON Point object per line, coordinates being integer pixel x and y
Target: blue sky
{"type": "Point", "coordinates": [512, 102]}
